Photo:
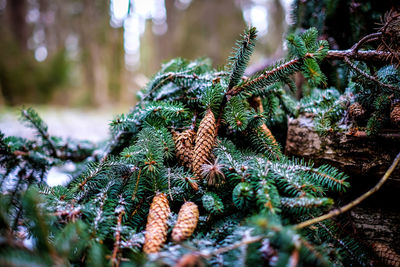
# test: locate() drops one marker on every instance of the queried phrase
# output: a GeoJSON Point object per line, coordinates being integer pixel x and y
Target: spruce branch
{"type": "Point", "coordinates": [365, 55]}
{"type": "Point", "coordinates": [355, 202]}
{"type": "Point", "coordinates": [257, 105]}
{"type": "Point", "coordinates": [120, 211]}
{"type": "Point", "coordinates": [352, 53]}
{"type": "Point", "coordinates": [244, 242]}
{"type": "Point", "coordinates": [36, 122]}
{"type": "Point", "coordinates": [136, 185]}
{"type": "Point", "coordinates": [368, 38]}
{"type": "Point", "coordinates": [269, 75]}
{"type": "Point", "coordinates": [370, 77]}
{"type": "Point", "coordinates": [241, 58]}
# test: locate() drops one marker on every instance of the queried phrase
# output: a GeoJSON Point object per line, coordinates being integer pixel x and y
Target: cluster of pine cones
{"type": "Point", "coordinates": [192, 151]}
{"type": "Point", "coordinates": [358, 113]}
{"type": "Point", "coordinates": [157, 227]}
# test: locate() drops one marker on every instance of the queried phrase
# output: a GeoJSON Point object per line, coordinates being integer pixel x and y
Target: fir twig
{"type": "Point", "coordinates": [269, 73]}
{"type": "Point", "coordinates": [31, 116]}
{"type": "Point", "coordinates": [243, 52]}
{"type": "Point", "coordinates": [136, 185]}
{"type": "Point", "coordinates": [114, 260]}
{"type": "Point", "coordinates": [355, 202]}
{"type": "Point", "coordinates": [370, 77]}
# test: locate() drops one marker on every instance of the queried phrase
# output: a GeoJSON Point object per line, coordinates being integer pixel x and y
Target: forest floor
{"type": "Point", "coordinates": [82, 124]}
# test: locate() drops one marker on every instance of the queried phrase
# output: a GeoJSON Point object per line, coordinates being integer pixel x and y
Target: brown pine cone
{"type": "Point", "coordinates": [204, 143]}
{"type": "Point", "coordinates": [386, 255]}
{"type": "Point", "coordinates": [187, 221]}
{"type": "Point", "coordinates": [184, 146]}
{"type": "Point", "coordinates": [356, 111]}
{"type": "Point", "coordinates": [156, 228]}
{"type": "Point", "coordinates": [395, 114]}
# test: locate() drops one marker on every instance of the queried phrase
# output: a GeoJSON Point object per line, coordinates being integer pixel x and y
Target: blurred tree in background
{"type": "Point", "coordinates": [62, 51]}
{"type": "Point", "coordinates": [80, 52]}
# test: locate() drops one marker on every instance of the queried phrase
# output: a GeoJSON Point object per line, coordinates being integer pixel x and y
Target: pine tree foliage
{"type": "Point", "coordinates": [242, 55]}
{"type": "Point", "coordinates": [372, 96]}
{"type": "Point", "coordinates": [245, 216]}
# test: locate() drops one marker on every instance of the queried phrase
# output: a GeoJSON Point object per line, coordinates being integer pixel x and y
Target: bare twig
{"type": "Point", "coordinates": [368, 38]}
{"type": "Point", "coordinates": [355, 202]}
{"type": "Point", "coordinates": [368, 55]}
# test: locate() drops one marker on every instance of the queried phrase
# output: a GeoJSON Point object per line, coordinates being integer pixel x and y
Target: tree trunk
{"type": "Point", "coordinates": [365, 159]}
{"type": "Point", "coordinates": [18, 10]}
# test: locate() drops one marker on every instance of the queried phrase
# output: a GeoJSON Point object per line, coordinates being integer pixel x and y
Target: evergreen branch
{"type": "Point", "coordinates": [370, 77]}
{"type": "Point", "coordinates": [337, 239]}
{"type": "Point", "coordinates": [71, 213]}
{"type": "Point", "coordinates": [355, 202]}
{"type": "Point", "coordinates": [242, 56]}
{"type": "Point", "coordinates": [268, 76]}
{"type": "Point", "coordinates": [120, 210]}
{"type": "Point", "coordinates": [136, 185]}
{"type": "Point", "coordinates": [314, 251]}
{"type": "Point", "coordinates": [101, 198]}
{"type": "Point", "coordinates": [368, 38]}
{"type": "Point", "coordinates": [330, 179]}
{"type": "Point", "coordinates": [368, 55]}
{"type": "Point", "coordinates": [246, 241]}
{"type": "Point", "coordinates": [37, 123]}
{"type": "Point", "coordinates": [300, 204]}
{"type": "Point", "coordinates": [275, 149]}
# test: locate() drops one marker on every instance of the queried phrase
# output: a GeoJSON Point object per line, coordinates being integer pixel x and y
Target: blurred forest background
{"type": "Point", "coordinates": [99, 53]}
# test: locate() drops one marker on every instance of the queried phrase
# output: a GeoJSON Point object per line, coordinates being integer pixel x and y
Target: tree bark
{"type": "Point", "coordinates": [358, 156]}
{"type": "Point", "coordinates": [365, 159]}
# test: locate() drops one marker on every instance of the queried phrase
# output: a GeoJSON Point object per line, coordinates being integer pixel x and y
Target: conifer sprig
{"type": "Point", "coordinates": [242, 55]}
{"type": "Point", "coordinates": [34, 121]}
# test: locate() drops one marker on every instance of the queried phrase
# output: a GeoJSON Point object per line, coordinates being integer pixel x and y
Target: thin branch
{"type": "Point", "coordinates": [368, 38]}
{"type": "Point", "coordinates": [44, 134]}
{"type": "Point", "coordinates": [114, 260]}
{"type": "Point", "coordinates": [238, 89]}
{"type": "Point", "coordinates": [355, 202]}
{"type": "Point", "coordinates": [369, 77]}
{"type": "Point", "coordinates": [136, 185]}
{"type": "Point", "coordinates": [169, 184]}
{"type": "Point", "coordinates": [368, 55]}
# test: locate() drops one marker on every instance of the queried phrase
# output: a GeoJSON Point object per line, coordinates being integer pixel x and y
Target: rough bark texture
{"type": "Point", "coordinates": [365, 160]}
{"type": "Point", "coordinates": [361, 156]}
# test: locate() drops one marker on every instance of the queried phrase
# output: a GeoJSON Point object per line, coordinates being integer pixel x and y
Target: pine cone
{"type": "Point", "coordinates": [184, 146]}
{"type": "Point", "coordinates": [156, 228]}
{"type": "Point", "coordinates": [187, 221]}
{"type": "Point", "coordinates": [387, 255]}
{"type": "Point", "coordinates": [205, 140]}
{"type": "Point", "coordinates": [356, 111]}
{"type": "Point", "coordinates": [395, 114]}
